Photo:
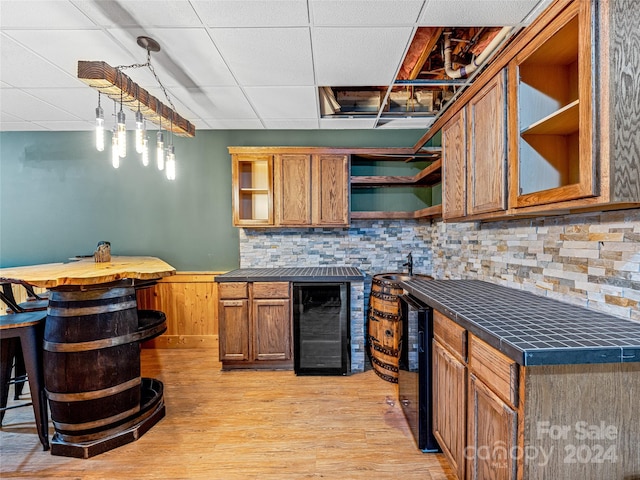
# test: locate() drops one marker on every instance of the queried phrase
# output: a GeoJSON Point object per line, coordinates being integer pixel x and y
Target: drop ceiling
{"type": "Point", "coordinates": [226, 64]}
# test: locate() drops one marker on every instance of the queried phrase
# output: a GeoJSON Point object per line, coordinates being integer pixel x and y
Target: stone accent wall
{"type": "Point", "coordinates": [590, 259]}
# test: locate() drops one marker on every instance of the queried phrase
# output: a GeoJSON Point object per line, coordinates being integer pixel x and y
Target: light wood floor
{"type": "Point", "coordinates": [244, 425]}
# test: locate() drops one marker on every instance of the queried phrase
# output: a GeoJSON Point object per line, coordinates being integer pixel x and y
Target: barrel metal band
{"type": "Point", "coordinates": [74, 312]}
{"type": "Point", "coordinates": [97, 423]}
{"type": "Point", "coordinates": [384, 296]}
{"type": "Point", "coordinates": [386, 283]}
{"type": "Point", "coordinates": [97, 294]}
{"type": "Point", "coordinates": [103, 343]}
{"type": "Point", "coordinates": [386, 366]}
{"type": "Point", "coordinates": [393, 352]}
{"type": "Point", "coordinates": [94, 394]}
{"type": "Point", "coordinates": [387, 316]}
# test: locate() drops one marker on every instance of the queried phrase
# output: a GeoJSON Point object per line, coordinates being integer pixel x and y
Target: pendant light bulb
{"type": "Point", "coordinates": [171, 163]}
{"type": "Point", "coordinates": [160, 150]}
{"type": "Point", "coordinates": [139, 131]}
{"type": "Point", "coordinates": [122, 135]}
{"type": "Point", "coordinates": [115, 154]}
{"type": "Point", "coordinates": [145, 150]}
{"type": "Point", "coordinates": [99, 128]}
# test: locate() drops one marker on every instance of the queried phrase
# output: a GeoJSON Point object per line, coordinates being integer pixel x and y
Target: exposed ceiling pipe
{"type": "Point", "coordinates": [463, 72]}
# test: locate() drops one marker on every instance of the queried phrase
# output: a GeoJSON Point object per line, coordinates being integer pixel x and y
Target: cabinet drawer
{"type": "Point", "coordinates": [271, 290]}
{"type": "Point", "coordinates": [495, 369]}
{"type": "Point", "coordinates": [232, 290]}
{"type": "Point", "coordinates": [450, 334]}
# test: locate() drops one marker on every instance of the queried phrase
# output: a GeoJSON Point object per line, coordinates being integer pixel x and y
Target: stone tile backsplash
{"type": "Point", "coordinates": [590, 259]}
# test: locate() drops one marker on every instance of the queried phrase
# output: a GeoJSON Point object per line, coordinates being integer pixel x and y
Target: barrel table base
{"type": "Point", "coordinates": [152, 410]}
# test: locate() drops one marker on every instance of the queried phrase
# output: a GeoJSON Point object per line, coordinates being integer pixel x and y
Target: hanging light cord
{"type": "Point", "coordinates": [148, 65]}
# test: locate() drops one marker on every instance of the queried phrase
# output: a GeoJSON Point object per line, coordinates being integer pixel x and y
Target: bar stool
{"type": "Point", "coordinates": [27, 330]}
{"type": "Point", "coordinates": [35, 304]}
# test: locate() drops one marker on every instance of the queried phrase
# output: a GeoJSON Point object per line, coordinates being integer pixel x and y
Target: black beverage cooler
{"type": "Point", "coordinates": [414, 374]}
{"type": "Point", "coordinates": [321, 328]}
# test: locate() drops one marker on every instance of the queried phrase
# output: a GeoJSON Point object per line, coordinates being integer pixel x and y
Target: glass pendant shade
{"type": "Point", "coordinates": [122, 135]}
{"type": "Point", "coordinates": [99, 129]}
{"type": "Point", "coordinates": [139, 131]}
{"type": "Point", "coordinates": [145, 150]}
{"type": "Point", "coordinates": [171, 163]}
{"type": "Point", "coordinates": [115, 153]}
{"type": "Point", "coordinates": [160, 150]}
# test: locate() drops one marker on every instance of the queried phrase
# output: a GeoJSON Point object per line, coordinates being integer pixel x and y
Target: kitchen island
{"type": "Point", "coordinates": [92, 338]}
{"type": "Point", "coordinates": [529, 387]}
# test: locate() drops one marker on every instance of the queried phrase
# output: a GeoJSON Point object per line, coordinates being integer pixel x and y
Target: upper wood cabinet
{"type": "Point", "coordinates": [551, 116]}
{"type": "Point", "coordinates": [294, 189]}
{"type": "Point", "coordinates": [330, 182]}
{"type": "Point", "coordinates": [252, 179]}
{"type": "Point", "coordinates": [487, 148]}
{"type": "Point", "coordinates": [454, 165]}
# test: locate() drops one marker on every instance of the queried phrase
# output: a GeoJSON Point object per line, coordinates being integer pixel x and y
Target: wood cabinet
{"type": "Point", "coordinates": [312, 190]}
{"type": "Point", "coordinates": [255, 325]}
{"type": "Point", "coordinates": [487, 148]}
{"type": "Point", "coordinates": [252, 179]}
{"type": "Point", "coordinates": [289, 187]}
{"type": "Point", "coordinates": [449, 400]}
{"type": "Point", "coordinates": [551, 113]}
{"type": "Point", "coordinates": [454, 166]}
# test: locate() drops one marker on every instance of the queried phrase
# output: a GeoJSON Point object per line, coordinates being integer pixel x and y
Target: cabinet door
{"type": "Point", "coordinates": [252, 185]}
{"type": "Point", "coordinates": [331, 190]}
{"type": "Point", "coordinates": [449, 402]}
{"type": "Point", "coordinates": [454, 164]}
{"type": "Point", "coordinates": [233, 324]}
{"type": "Point", "coordinates": [293, 189]}
{"type": "Point", "coordinates": [271, 329]}
{"type": "Point", "coordinates": [492, 435]}
{"type": "Point", "coordinates": [551, 113]}
{"type": "Point", "coordinates": [487, 156]}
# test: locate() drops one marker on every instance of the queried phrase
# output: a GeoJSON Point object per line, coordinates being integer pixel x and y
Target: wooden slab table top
{"type": "Point", "coordinates": [86, 271]}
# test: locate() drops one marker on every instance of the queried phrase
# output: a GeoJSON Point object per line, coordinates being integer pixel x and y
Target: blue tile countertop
{"type": "Point", "coordinates": [294, 274]}
{"type": "Point", "coordinates": [530, 329]}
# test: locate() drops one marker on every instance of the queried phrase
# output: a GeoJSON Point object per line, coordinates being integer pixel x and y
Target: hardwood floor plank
{"type": "Point", "coordinates": [244, 425]}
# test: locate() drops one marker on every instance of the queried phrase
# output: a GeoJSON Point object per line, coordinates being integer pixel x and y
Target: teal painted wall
{"type": "Point", "coordinates": [59, 196]}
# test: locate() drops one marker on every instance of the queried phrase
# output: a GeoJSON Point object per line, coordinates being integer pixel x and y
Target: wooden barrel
{"type": "Point", "coordinates": [92, 358]}
{"type": "Point", "coordinates": [384, 328]}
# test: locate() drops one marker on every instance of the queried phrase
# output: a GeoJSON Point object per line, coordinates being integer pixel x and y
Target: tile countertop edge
{"type": "Point", "coordinates": [316, 274]}
{"type": "Point", "coordinates": [533, 357]}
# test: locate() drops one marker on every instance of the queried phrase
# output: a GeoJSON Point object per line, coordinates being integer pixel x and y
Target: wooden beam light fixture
{"type": "Point", "coordinates": [111, 82]}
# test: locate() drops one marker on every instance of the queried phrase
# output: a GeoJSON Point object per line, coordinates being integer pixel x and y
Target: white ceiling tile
{"type": "Point", "coordinates": [80, 102]}
{"type": "Point", "coordinates": [358, 56]}
{"type": "Point", "coordinates": [140, 13]}
{"type": "Point", "coordinates": [6, 117]}
{"type": "Point", "coordinates": [21, 68]}
{"type": "Point", "coordinates": [226, 124]}
{"type": "Point", "coordinates": [292, 124]}
{"type": "Point", "coordinates": [77, 126]}
{"type": "Point", "coordinates": [21, 105]}
{"type": "Point", "coordinates": [284, 102]}
{"type": "Point", "coordinates": [365, 12]}
{"type": "Point", "coordinates": [193, 51]}
{"type": "Point", "coordinates": [65, 47]}
{"type": "Point", "coordinates": [480, 13]}
{"type": "Point", "coordinates": [19, 127]}
{"type": "Point", "coordinates": [220, 102]}
{"type": "Point", "coordinates": [59, 14]}
{"type": "Point", "coordinates": [267, 56]}
{"type": "Point", "coordinates": [252, 13]}
{"type": "Point", "coordinates": [346, 123]}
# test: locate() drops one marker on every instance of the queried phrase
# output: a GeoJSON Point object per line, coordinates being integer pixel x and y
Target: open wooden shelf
{"type": "Point", "coordinates": [431, 175]}
{"type": "Point", "coordinates": [428, 212]}
{"type": "Point", "coordinates": [564, 121]}
{"type": "Point", "coordinates": [425, 154]}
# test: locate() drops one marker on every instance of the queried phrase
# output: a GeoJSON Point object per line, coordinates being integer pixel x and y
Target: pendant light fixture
{"type": "Point", "coordinates": [114, 83]}
{"type": "Point", "coordinates": [99, 126]}
{"type": "Point", "coordinates": [115, 148]}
